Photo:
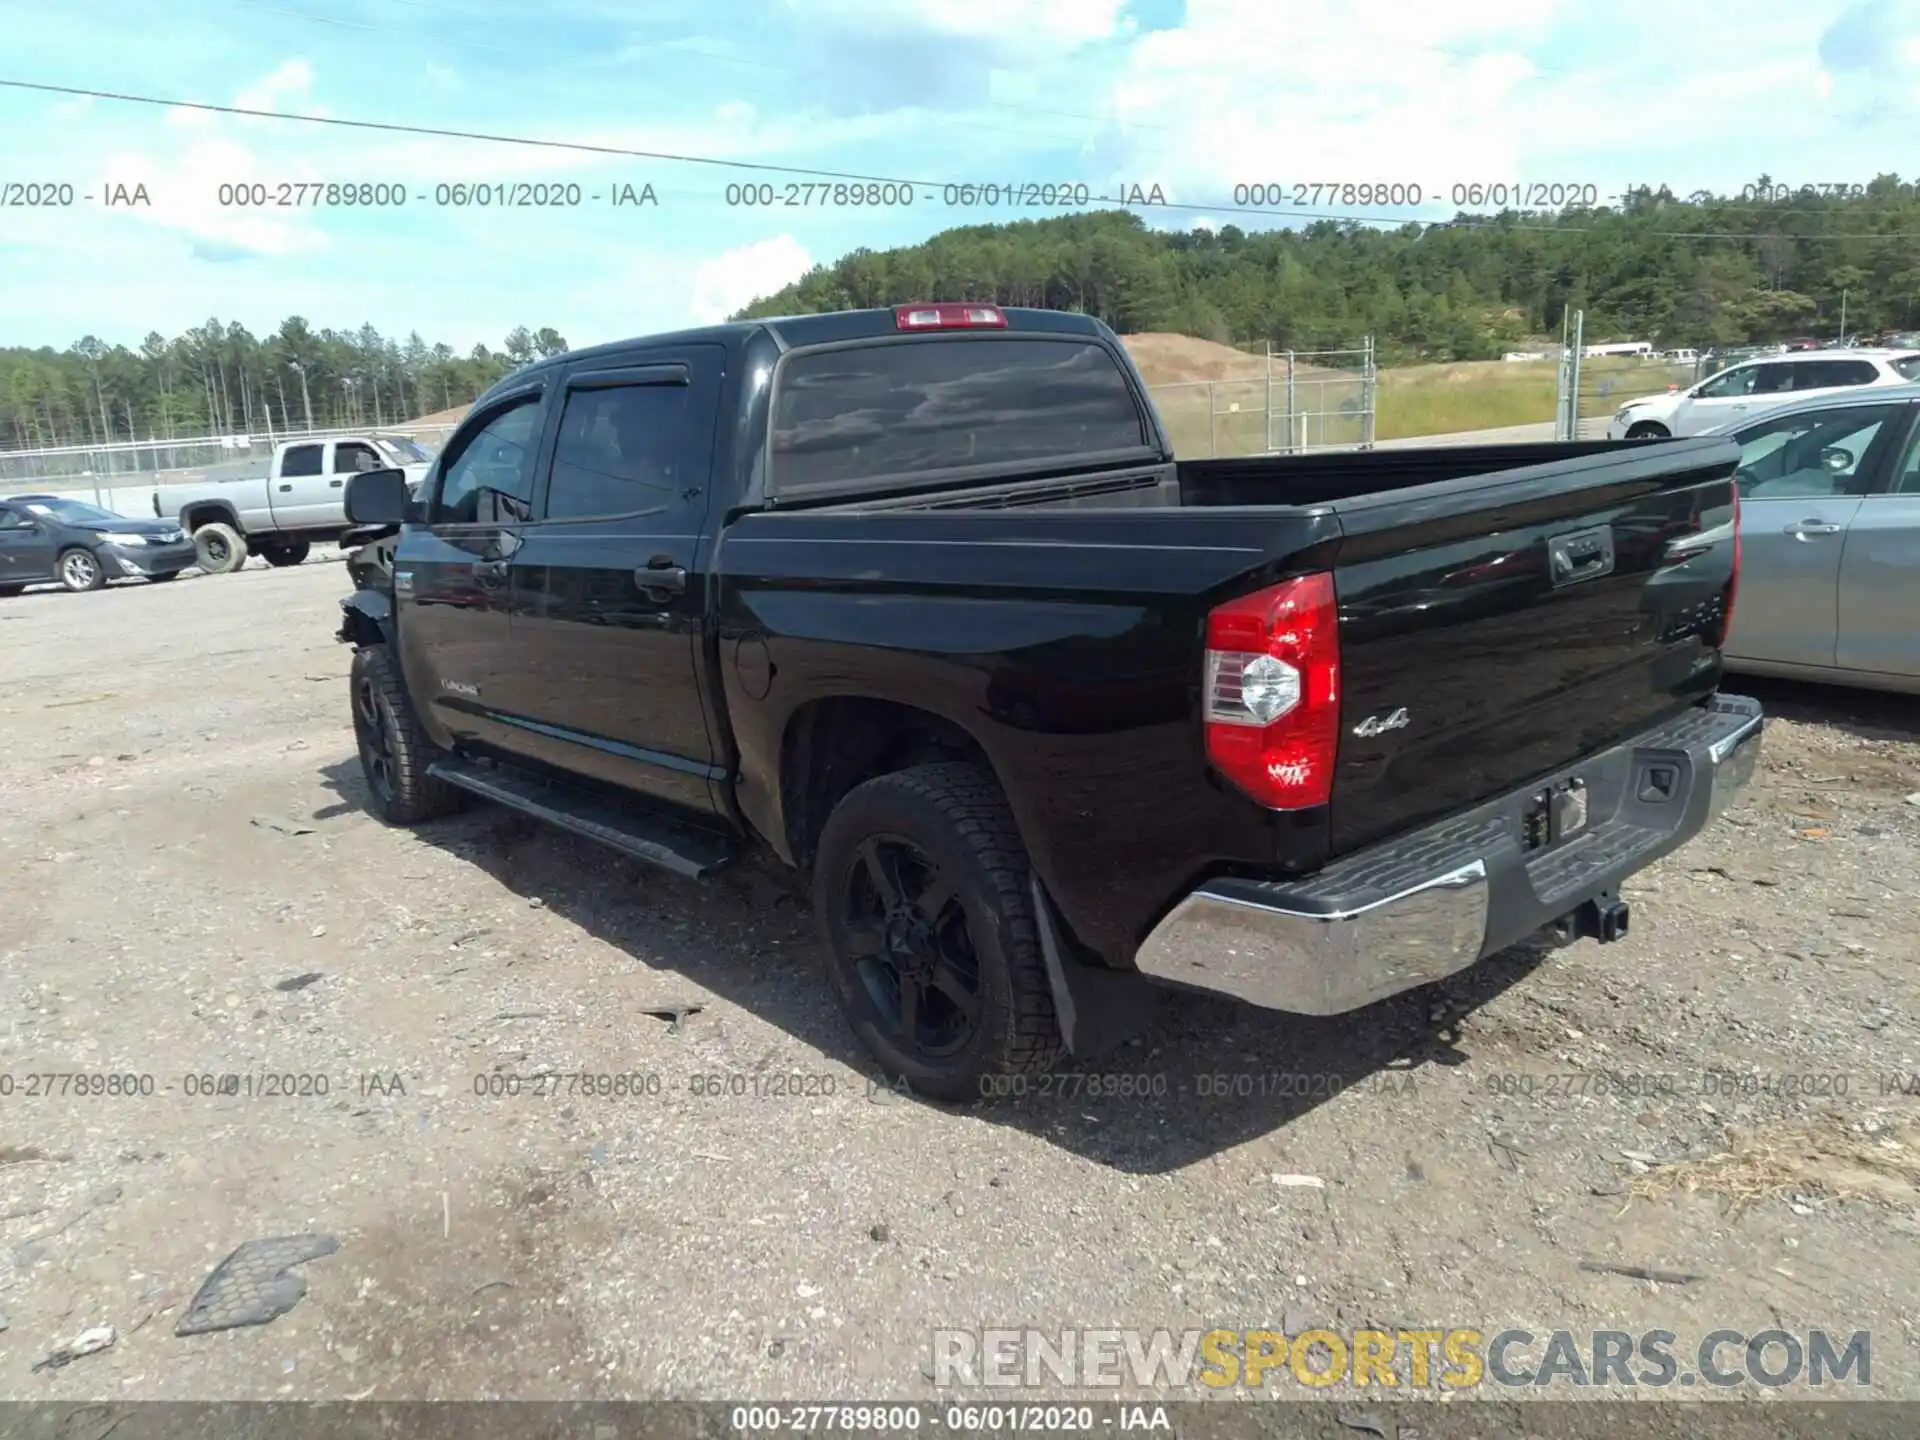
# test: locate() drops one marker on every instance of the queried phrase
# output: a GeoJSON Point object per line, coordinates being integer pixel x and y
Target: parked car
{"type": "Point", "coordinates": [1739, 392]}
{"type": "Point", "coordinates": [1830, 537]}
{"type": "Point", "coordinates": [920, 601]}
{"type": "Point", "coordinates": [54, 539]}
{"type": "Point", "coordinates": [282, 514]}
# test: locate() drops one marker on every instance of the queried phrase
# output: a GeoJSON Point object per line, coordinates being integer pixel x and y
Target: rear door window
{"type": "Point", "coordinates": [923, 408]}
{"type": "Point", "coordinates": [1831, 374]}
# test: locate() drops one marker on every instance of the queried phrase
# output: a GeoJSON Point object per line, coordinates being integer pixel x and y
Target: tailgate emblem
{"type": "Point", "coordinates": [1381, 724]}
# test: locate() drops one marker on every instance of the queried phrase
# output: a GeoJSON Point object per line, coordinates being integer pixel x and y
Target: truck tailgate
{"type": "Point", "coordinates": [1499, 628]}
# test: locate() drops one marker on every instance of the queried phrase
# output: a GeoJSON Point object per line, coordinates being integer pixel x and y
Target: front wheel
{"type": "Point", "coordinates": [81, 570]}
{"type": "Point", "coordinates": [219, 548]}
{"type": "Point", "coordinates": [282, 553]}
{"type": "Point", "coordinates": [394, 749]}
{"type": "Point", "coordinates": [921, 888]}
{"type": "Point", "coordinates": [1648, 430]}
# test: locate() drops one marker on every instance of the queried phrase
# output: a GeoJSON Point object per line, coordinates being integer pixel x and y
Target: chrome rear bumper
{"type": "Point", "coordinates": [1427, 905]}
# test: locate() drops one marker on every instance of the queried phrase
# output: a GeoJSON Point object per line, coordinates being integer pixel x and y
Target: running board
{"type": "Point", "coordinates": [653, 838]}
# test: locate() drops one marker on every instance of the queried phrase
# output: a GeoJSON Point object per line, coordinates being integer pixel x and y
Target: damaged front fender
{"type": "Point", "coordinates": [366, 618]}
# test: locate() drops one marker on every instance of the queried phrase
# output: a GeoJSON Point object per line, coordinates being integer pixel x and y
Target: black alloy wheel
{"type": "Point", "coordinates": [907, 938]}
{"type": "Point", "coordinates": [374, 728]}
{"type": "Point", "coordinates": [923, 893]}
{"type": "Point", "coordinates": [395, 751]}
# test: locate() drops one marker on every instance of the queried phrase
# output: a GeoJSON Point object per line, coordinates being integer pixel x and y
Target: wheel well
{"type": "Point", "coordinates": [194, 516]}
{"type": "Point", "coordinates": [832, 745]}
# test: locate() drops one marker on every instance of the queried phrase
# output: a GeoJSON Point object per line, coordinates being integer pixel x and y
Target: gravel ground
{"type": "Point", "coordinates": [192, 889]}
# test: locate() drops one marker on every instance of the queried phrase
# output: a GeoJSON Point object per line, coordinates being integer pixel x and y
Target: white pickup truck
{"type": "Point", "coordinates": [279, 515]}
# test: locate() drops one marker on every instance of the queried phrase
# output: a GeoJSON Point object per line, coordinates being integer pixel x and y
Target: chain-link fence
{"type": "Point", "coordinates": [1287, 401]}
{"type": "Point", "coordinates": [1593, 385]}
{"type": "Point", "coordinates": [138, 465]}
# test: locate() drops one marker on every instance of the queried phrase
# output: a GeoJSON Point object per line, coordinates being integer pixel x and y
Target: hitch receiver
{"type": "Point", "coordinates": [1603, 918]}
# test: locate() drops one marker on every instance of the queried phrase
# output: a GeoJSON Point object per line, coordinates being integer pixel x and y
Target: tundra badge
{"type": "Point", "coordinates": [1379, 724]}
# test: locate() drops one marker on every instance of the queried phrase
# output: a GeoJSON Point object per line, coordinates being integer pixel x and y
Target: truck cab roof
{"type": "Point", "coordinates": [791, 332]}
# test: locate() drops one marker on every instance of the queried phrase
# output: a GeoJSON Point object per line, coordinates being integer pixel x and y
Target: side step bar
{"type": "Point", "coordinates": [655, 839]}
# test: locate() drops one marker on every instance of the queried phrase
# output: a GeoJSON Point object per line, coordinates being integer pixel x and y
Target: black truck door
{"type": "Point", "coordinates": [608, 607]}
{"type": "Point", "coordinates": [450, 576]}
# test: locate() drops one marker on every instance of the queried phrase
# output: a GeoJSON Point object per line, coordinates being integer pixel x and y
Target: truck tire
{"type": "Point", "coordinates": [281, 553]}
{"type": "Point", "coordinates": [921, 876]}
{"type": "Point", "coordinates": [221, 548]}
{"type": "Point", "coordinates": [80, 569]}
{"type": "Point", "coordinates": [394, 750]}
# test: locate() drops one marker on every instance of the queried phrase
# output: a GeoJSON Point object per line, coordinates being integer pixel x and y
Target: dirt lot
{"type": "Point", "coordinates": [191, 889]}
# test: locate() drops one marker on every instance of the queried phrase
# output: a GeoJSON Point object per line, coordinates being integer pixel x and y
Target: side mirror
{"type": "Point", "coordinates": [377, 497]}
{"type": "Point", "coordinates": [1836, 459]}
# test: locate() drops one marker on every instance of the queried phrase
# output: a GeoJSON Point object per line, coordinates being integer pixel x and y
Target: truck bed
{"type": "Point", "coordinates": [1062, 619]}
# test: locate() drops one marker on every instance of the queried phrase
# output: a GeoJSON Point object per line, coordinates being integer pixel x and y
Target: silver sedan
{"type": "Point", "coordinates": [1830, 541]}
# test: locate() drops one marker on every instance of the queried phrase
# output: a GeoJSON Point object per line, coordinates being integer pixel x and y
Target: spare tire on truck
{"type": "Point", "coordinates": [221, 548]}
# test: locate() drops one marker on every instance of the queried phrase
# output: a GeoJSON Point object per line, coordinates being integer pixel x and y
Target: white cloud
{"type": "Point", "coordinates": [744, 274]}
{"type": "Point", "coordinates": [1490, 90]}
{"type": "Point", "coordinates": [1025, 23]}
{"type": "Point", "coordinates": [1285, 90]}
{"type": "Point", "coordinates": [289, 82]}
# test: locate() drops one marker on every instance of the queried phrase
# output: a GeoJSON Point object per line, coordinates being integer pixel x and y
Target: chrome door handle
{"type": "Point", "coordinates": [660, 579]}
{"type": "Point", "coordinates": [1811, 527]}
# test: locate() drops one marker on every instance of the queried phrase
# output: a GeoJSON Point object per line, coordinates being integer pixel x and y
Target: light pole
{"type": "Point", "coordinates": [306, 400]}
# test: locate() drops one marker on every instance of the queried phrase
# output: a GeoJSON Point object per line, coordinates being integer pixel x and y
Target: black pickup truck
{"type": "Point", "coordinates": [920, 601]}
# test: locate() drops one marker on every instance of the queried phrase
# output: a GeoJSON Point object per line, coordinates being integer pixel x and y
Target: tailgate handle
{"type": "Point", "coordinates": [1581, 554]}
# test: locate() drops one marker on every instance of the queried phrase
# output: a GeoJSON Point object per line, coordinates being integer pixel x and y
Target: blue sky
{"type": "Point", "coordinates": [1194, 96]}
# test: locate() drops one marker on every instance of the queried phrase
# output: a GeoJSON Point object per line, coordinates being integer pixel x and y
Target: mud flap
{"type": "Point", "coordinates": [1097, 1008]}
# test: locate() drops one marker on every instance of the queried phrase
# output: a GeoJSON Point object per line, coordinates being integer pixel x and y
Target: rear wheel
{"type": "Point", "coordinates": [1648, 430]}
{"type": "Point", "coordinates": [921, 889]}
{"type": "Point", "coordinates": [394, 749]}
{"type": "Point", "coordinates": [281, 553]}
{"type": "Point", "coordinates": [81, 570]}
{"type": "Point", "coordinates": [220, 549]}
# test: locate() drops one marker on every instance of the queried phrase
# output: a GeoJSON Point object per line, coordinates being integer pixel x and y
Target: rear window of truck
{"type": "Point", "coordinates": [919, 408]}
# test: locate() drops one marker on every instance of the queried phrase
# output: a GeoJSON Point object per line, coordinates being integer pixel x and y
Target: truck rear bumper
{"type": "Point", "coordinates": [1426, 905]}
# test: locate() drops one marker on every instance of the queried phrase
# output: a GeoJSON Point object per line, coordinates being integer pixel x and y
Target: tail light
{"type": "Point", "coordinates": [1273, 692]}
{"type": "Point", "coordinates": [948, 317]}
{"type": "Point", "coordinates": [1733, 581]}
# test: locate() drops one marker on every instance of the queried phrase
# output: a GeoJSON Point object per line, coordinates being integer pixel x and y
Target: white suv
{"type": "Point", "coordinates": [1742, 391]}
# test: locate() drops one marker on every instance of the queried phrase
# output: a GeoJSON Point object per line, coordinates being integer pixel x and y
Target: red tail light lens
{"type": "Point", "coordinates": [1272, 698]}
{"type": "Point", "coordinates": [948, 317]}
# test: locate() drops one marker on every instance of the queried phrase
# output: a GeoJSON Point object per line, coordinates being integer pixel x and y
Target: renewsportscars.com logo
{"type": "Point", "coordinates": [1455, 1359]}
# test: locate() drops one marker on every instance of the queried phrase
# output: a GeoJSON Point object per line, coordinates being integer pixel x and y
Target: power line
{"type": "Point", "coordinates": [859, 177]}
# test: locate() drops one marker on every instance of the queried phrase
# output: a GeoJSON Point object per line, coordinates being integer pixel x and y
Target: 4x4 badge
{"type": "Point", "coordinates": [1380, 724]}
